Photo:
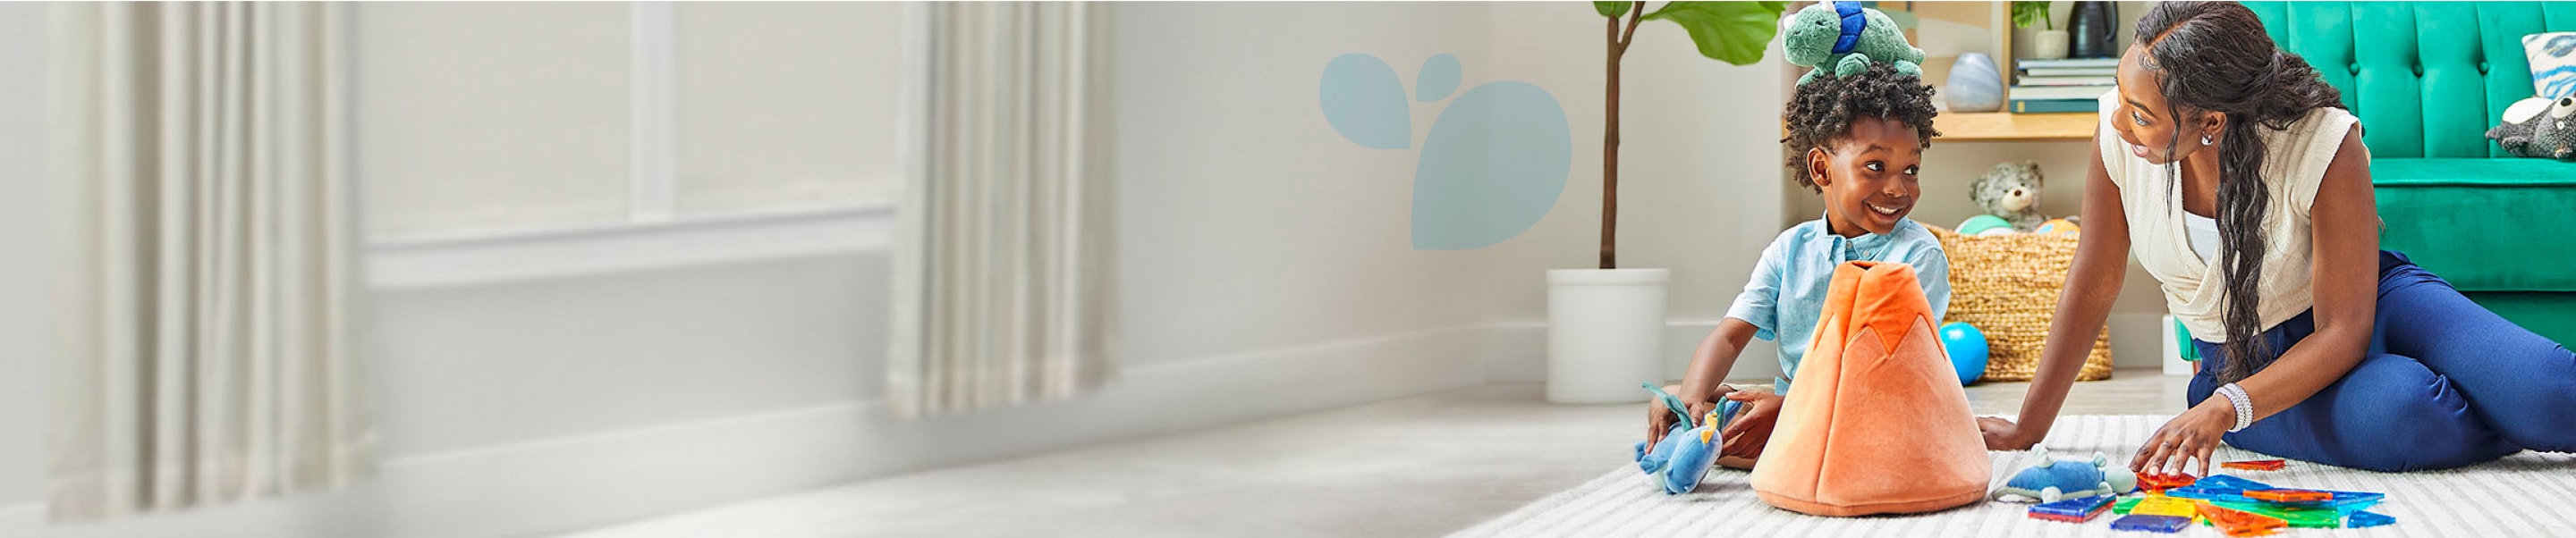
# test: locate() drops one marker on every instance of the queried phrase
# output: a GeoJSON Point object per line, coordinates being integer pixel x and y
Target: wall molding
{"type": "Point", "coordinates": [504, 257]}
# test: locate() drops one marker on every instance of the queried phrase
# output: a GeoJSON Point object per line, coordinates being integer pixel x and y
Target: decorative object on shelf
{"type": "Point", "coordinates": [2095, 26]}
{"type": "Point", "coordinates": [2049, 43]}
{"type": "Point", "coordinates": [1975, 84]}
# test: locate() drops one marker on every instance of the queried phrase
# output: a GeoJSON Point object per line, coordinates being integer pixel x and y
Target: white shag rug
{"type": "Point", "coordinates": [2527, 494]}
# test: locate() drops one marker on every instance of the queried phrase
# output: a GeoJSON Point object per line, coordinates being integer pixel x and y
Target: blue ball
{"type": "Point", "coordinates": [1967, 348]}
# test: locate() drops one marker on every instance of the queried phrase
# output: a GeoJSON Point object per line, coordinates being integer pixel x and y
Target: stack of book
{"type": "Point", "coordinates": [2069, 85]}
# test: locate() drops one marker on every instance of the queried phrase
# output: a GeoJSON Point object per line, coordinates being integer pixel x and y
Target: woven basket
{"type": "Point", "coordinates": [2007, 286]}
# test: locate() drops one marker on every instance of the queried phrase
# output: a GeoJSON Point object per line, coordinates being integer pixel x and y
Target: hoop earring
{"type": "Point", "coordinates": [2206, 141]}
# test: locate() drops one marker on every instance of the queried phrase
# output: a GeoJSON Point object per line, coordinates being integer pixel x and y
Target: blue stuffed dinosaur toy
{"type": "Point", "coordinates": [1687, 452]}
{"type": "Point", "coordinates": [1839, 39]}
{"type": "Point", "coordinates": [2054, 479]}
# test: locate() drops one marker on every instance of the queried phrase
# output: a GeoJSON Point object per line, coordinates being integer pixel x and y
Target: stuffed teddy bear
{"type": "Point", "coordinates": [2009, 192]}
{"type": "Point", "coordinates": [1840, 38]}
{"type": "Point", "coordinates": [2538, 128]}
{"type": "Point", "coordinates": [1687, 452]}
{"type": "Point", "coordinates": [2054, 479]}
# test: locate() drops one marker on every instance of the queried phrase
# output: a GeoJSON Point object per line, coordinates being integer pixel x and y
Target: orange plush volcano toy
{"type": "Point", "coordinates": [1877, 423]}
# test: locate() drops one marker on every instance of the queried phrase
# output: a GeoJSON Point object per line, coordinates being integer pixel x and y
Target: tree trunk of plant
{"type": "Point", "coordinates": [1610, 138]}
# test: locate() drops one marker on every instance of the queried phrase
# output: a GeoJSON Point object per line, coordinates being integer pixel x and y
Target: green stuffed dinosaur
{"type": "Point", "coordinates": [1847, 37]}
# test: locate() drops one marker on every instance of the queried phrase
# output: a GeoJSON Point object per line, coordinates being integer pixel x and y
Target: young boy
{"type": "Point", "coordinates": [1857, 140]}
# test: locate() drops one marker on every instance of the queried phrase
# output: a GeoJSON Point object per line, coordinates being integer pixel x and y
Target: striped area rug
{"type": "Point", "coordinates": [2527, 494]}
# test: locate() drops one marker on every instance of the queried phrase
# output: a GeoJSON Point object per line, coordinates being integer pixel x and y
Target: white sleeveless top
{"type": "Point", "coordinates": [2294, 165]}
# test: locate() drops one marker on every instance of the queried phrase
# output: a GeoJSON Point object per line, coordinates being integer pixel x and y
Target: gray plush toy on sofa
{"type": "Point", "coordinates": [2538, 128]}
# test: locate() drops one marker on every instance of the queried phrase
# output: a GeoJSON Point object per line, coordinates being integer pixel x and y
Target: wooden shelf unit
{"type": "Point", "coordinates": [2010, 127]}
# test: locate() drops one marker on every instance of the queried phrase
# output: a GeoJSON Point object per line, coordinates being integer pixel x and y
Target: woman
{"type": "Point", "coordinates": [2234, 174]}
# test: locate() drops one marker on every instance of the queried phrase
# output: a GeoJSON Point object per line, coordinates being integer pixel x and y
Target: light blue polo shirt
{"type": "Point", "coordinates": [1786, 295]}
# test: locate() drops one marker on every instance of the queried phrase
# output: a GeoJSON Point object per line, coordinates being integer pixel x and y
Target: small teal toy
{"type": "Point", "coordinates": [2052, 480]}
{"type": "Point", "coordinates": [1688, 451]}
{"type": "Point", "coordinates": [1967, 348]}
{"type": "Point", "coordinates": [1985, 225]}
{"type": "Point", "coordinates": [1840, 39]}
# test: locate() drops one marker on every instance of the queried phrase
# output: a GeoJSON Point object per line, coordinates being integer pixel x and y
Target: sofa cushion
{"type": "Point", "coordinates": [2553, 63]}
{"type": "Point", "coordinates": [2479, 222]}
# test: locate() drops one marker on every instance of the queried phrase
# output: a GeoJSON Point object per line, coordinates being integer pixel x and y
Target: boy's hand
{"type": "Point", "coordinates": [2003, 434]}
{"type": "Point", "coordinates": [1752, 428]}
{"type": "Point", "coordinates": [1659, 419]}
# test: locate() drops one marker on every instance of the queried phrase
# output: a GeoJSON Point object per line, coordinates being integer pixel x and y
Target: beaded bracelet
{"type": "Point", "coordinates": [2244, 406]}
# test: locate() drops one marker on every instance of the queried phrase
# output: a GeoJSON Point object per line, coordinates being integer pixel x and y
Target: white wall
{"type": "Point", "coordinates": [1248, 222]}
{"type": "Point", "coordinates": [23, 272]}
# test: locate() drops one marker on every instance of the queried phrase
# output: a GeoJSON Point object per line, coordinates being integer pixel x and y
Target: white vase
{"type": "Point", "coordinates": [2048, 45]}
{"type": "Point", "coordinates": [1975, 85]}
{"type": "Point", "coordinates": [1604, 334]}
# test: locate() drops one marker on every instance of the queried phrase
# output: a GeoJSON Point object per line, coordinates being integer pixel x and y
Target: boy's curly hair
{"type": "Point", "coordinates": [1820, 113]}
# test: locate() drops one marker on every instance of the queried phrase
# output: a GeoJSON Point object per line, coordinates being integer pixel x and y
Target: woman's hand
{"type": "Point", "coordinates": [2192, 435]}
{"type": "Point", "coordinates": [1752, 427]}
{"type": "Point", "coordinates": [2004, 434]}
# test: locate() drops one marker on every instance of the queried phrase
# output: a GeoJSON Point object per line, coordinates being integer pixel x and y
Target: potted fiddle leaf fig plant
{"type": "Point", "coordinates": [1605, 324]}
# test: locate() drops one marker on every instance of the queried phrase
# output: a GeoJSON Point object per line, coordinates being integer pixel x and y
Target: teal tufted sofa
{"type": "Point", "coordinates": [2427, 80]}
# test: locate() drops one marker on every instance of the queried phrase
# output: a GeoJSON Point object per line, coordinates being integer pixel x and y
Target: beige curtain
{"type": "Point", "coordinates": [1004, 272]}
{"type": "Point", "coordinates": [204, 250]}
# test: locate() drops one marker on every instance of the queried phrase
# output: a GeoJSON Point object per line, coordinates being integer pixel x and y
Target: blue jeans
{"type": "Point", "coordinates": [2445, 384]}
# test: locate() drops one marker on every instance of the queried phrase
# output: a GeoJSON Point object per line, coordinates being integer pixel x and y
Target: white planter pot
{"type": "Point", "coordinates": [2048, 44]}
{"type": "Point", "coordinates": [1604, 334]}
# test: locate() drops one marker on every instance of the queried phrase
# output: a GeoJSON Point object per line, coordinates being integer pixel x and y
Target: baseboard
{"type": "Point", "coordinates": [1517, 352]}
{"type": "Point", "coordinates": [587, 481]}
